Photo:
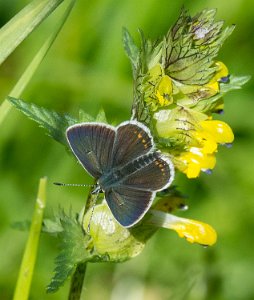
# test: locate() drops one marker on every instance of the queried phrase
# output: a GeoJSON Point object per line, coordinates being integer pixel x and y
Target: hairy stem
{"type": "Point", "coordinates": [77, 282]}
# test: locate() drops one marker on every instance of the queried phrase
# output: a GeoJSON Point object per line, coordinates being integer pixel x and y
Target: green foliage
{"type": "Point", "coordinates": [101, 117]}
{"type": "Point", "coordinates": [130, 48]}
{"type": "Point", "coordinates": [235, 83]}
{"type": "Point", "coordinates": [54, 123]}
{"type": "Point", "coordinates": [73, 243]}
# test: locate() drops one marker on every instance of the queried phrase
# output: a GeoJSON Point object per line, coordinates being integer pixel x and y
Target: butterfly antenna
{"type": "Point", "coordinates": [73, 184]}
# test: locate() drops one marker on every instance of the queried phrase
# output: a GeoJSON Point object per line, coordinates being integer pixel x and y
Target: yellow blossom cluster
{"type": "Point", "coordinates": [192, 135]}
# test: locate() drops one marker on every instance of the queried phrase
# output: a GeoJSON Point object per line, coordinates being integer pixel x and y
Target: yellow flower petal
{"type": "Point", "coordinates": [194, 231]}
{"type": "Point", "coordinates": [206, 140]}
{"type": "Point", "coordinates": [195, 161]}
{"type": "Point", "coordinates": [222, 71]}
{"type": "Point", "coordinates": [221, 132]}
{"type": "Point", "coordinates": [164, 91]}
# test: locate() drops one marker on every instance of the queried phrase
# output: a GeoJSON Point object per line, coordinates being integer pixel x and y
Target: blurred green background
{"type": "Point", "coordinates": [87, 68]}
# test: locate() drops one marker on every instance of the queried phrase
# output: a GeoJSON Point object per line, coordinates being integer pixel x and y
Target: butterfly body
{"type": "Point", "coordinates": [125, 163]}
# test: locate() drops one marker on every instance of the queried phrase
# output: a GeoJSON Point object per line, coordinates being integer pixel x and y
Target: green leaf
{"type": "Point", "coordinates": [52, 227]}
{"type": "Point", "coordinates": [191, 46]}
{"type": "Point", "coordinates": [54, 123]}
{"type": "Point", "coordinates": [73, 243]}
{"type": "Point", "coordinates": [235, 83]}
{"type": "Point", "coordinates": [26, 270]}
{"type": "Point", "coordinates": [23, 23]}
{"type": "Point", "coordinates": [101, 117]}
{"type": "Point", "coordinates": [84, 117]}
{"type": "Point", "coordinates": [150, 53]}
{"type": "Point", "coordinates": [130, 48]}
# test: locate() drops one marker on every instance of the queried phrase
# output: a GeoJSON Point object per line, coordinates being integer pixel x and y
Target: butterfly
{"type": "Point", "coordinates": [125, 163]}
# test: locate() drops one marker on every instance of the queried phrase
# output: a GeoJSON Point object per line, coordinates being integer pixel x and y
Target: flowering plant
{"type": "Point", "coordinates": [178, 86]}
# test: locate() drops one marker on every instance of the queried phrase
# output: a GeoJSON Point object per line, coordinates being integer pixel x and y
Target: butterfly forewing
{"type": "Point", "coordinates": [128, 205]}
{"type": "Point", "coordinates": [92, 145]}
{"type": "Point", "coordinates": [132, 140]}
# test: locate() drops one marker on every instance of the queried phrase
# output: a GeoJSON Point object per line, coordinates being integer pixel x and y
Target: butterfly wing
{"type": "Point", "coordinates": [154, 173]}
{"type": "Point", "coordinates": [133, 139]}
{"type": "Point", "coordinates": [132, 198]}
{"type": "Point", "coordinates": [128, 205]}
{"type": "Point", "coordinates": [92, 145]}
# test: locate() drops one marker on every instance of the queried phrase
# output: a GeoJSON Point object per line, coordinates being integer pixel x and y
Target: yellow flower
{"type": "Point", "coordinates": [193, 161]}
{"type": "Point", "coordinates": [157, 88]}
{"type": "Point", "coordinates": [178, 125]}
{"type": "Point", "coordinates": [208, 134]}
{"type": "Point", "coordinates": [221, 73]}
{"type": "Point", "coordinates": [164, 91]}
{"type": "Point", "coordinates": [194, 231]}
{"type": "Point", "coordinates": [220, 131]}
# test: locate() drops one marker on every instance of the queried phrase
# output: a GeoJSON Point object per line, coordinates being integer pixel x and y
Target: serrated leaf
{"type": "Point", "coordinates": [150, 56]}
{"type": "Point", "coordinates": [130, 48]}
{"type": "Point", "coordinates": [73, 243]}
{"type": "Point", "coordinates": [51, 226]}
{"type": "Point", "coordinates": [54, 123]}
{"type": "Point", "coordinates": [150, 53]}
{"type": "Point", "coordinates": [85, 117]}
{"type": "Point", "coordinates": [101, 117]}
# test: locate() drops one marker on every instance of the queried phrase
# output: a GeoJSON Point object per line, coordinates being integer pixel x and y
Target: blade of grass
{"type": "Point", "coordinates": [23, 23]}
{"type": "Point", "coordinates": [32, 67]}
{"type": "Point", "coordinates": [27, 266]}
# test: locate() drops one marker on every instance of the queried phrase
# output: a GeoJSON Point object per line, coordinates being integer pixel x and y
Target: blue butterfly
{"type": "Point", "coordinates": [125, 163]}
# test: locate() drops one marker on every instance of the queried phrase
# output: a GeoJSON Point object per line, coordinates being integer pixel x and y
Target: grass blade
{"type": "Point", "coordinates": [32, 67]}
{"type": "Point", "coordinates": [23, 23]}
{"type": "Point", "coordinates": [27, 266]}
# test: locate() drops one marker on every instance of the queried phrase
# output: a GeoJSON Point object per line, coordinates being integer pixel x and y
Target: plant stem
{"type": "Point", "coordinates": [77, 282]}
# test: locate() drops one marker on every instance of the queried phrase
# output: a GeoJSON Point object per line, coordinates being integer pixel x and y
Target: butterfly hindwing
{"type": "Point", "coordinates": [128, 205]}
{"type": "Point", "coordinates": [154, 174]}
{"type": "Point", "coordinates": [92, 145]}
